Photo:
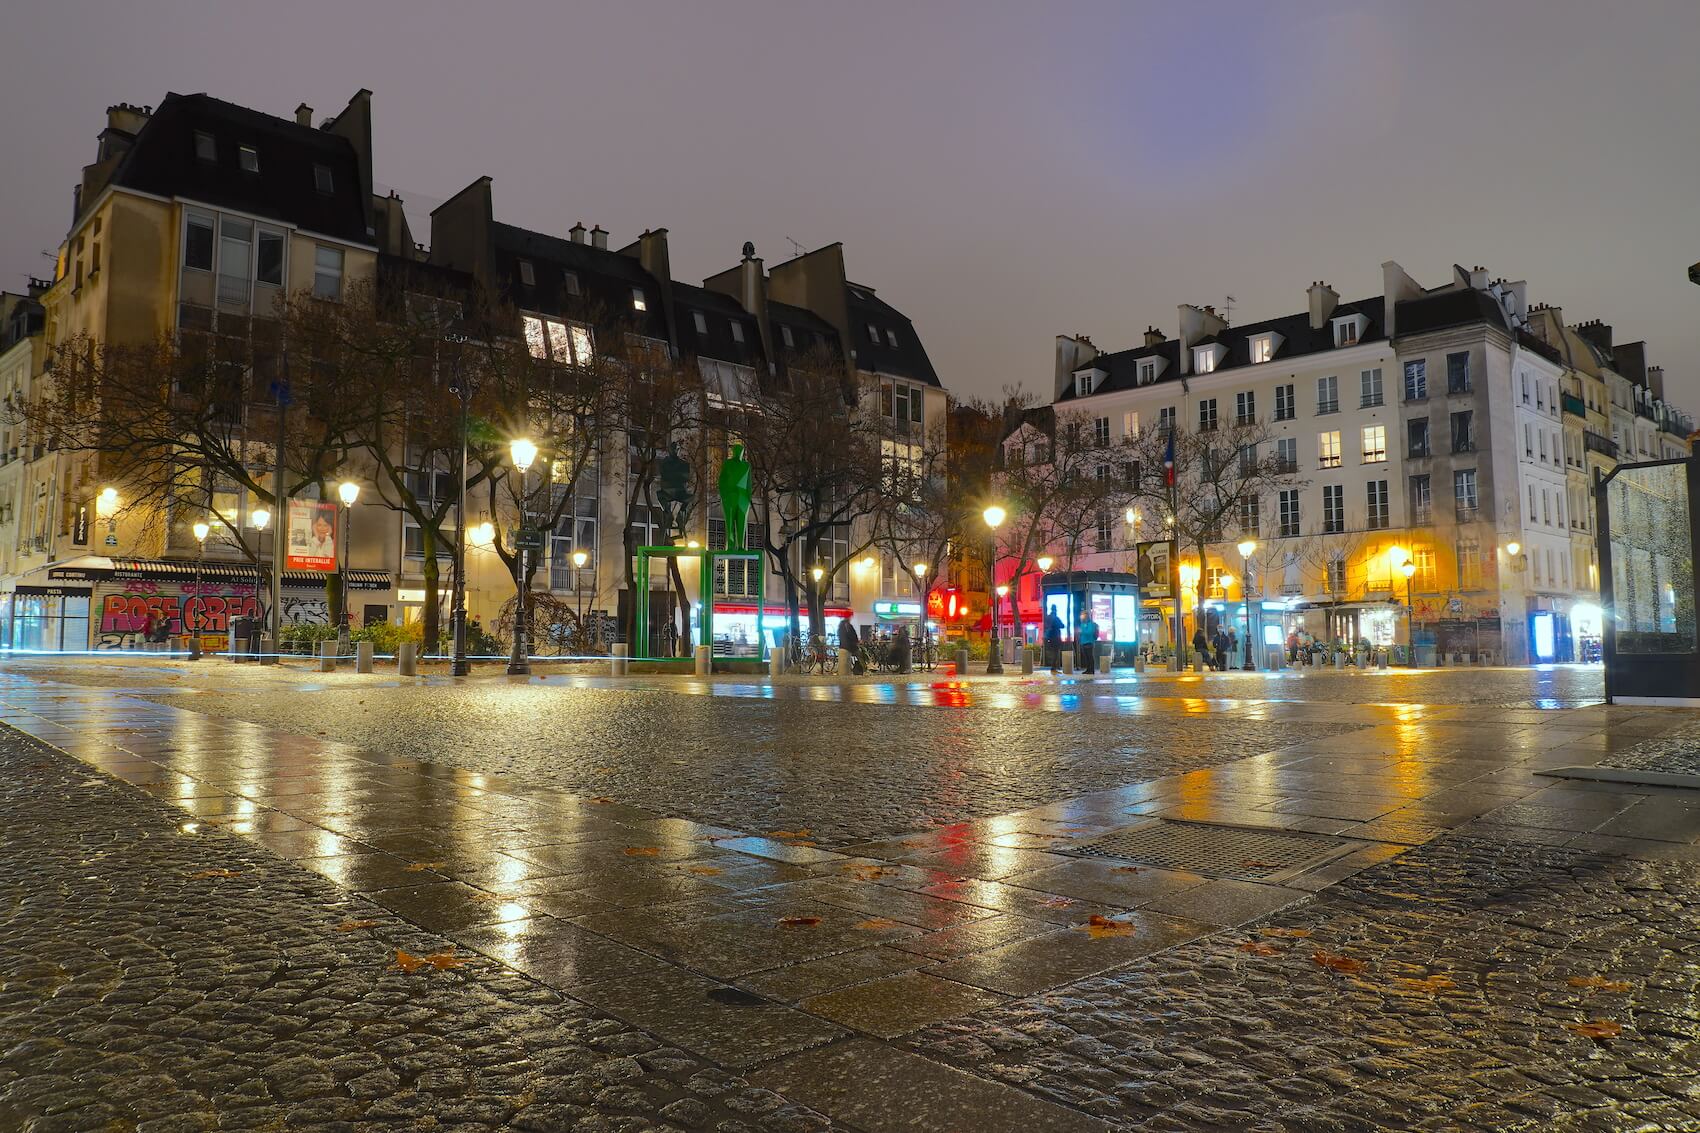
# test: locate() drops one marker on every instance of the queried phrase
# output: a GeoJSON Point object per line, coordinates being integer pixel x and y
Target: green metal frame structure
{"type": "Point", "coordinates": [706, 560]}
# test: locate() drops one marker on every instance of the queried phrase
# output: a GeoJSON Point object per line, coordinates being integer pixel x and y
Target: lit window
{"type": "Point", "coordinates": [205, 148]}
{"type": "Point", "coordinates": [1262, 348]}
{"type": "Point", "coordinates": [1328, 449]}
{"type": "Point", "coordinates": [527, 273]}
{"type": "Point", "coordinates": [327, 273]}
{"type": "Point", "coordinates": [560, 343]}
{"type": "Point", "coordinates": [1375, 443]}
{"type": "Point", "coordinates": [1130, 424]}
{"type": "Point", "coordinates": [639, 303]}
{"type": "Point", "coordinates": [248, 158]}
{"type": "Point", "coordinates": [700, 321]}
{"type": "Point", "coordinates": [535, 340]}
{"type": "Point", "coordinates": [583, 345]}
{"type": "Point", "coordinates": [1204, 360]}
{"type": "Point", "coordinates": [1346, 333]}
{"type": "Point", "coordinates": [322, 180]}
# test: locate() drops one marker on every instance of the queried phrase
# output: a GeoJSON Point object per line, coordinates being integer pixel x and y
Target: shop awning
{"type": "Point", "coordinates": [93, 567]}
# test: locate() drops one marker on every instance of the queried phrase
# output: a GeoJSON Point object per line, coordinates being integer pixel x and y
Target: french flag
{"type": "Point", "coordinates": [1169, 461]}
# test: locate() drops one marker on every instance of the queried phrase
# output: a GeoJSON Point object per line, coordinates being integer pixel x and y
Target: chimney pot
{"type": "Point", "coordinates": [599, 237]}
{"type": "Point", "coordinates": [304, 115]}
{"type": "Point", "coordinates": [576, 233]}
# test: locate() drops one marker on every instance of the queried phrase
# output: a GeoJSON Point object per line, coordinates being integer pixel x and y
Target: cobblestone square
{"type": "Point", "coordinates": [245, 898]}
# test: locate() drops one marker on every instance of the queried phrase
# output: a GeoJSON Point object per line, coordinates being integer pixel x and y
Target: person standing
{"type": "Point", "coordinates": [1053, 639]}
{"type": "Point", "coordinates": [849, 644]}
{"type": "Point", "coordinates": [1233, 647]}
{"type": "Point", "coordinates": [1088, 637]}
{"type": "Point", "coordinates": [1201, 646]}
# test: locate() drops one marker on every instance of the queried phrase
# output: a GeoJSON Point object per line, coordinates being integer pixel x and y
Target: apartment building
{"type": "Point", "coordinates": [1422, 425]}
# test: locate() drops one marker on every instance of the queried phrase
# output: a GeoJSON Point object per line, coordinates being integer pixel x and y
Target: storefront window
{"type": "Point", "coordinates": [50, 622]}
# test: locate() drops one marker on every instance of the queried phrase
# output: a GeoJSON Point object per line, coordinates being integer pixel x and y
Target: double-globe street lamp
{"type": "Point", "coordinates": [522, 452]}
{"type": "Point", "coordinates": [994, 517]}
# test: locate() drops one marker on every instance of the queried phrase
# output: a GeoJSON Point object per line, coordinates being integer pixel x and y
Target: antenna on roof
{"type": "Point", "coordinates": [1228, 310]}
{"type": "Point", "coordinates": [796, 248]}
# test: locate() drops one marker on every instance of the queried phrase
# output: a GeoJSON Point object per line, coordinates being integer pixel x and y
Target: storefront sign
{"type": "Point", "coordinates": [889, 609]}
{"type": "Point", "coordinates": [312, 535]}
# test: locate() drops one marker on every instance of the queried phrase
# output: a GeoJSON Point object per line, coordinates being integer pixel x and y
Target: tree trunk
{"type": "Point", "coordinates": [683, 605]}
{"type": "Point", "coordinates": [432, 615]}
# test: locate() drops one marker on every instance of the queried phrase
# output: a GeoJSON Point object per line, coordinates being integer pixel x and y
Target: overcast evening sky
{"type": "Point", "coordinates": [999, 172]}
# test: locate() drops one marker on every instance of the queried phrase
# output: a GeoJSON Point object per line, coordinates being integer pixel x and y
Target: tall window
{"type": "Point", "coordinates": [1328, 394]}
{"type": "Point", "coordinates": [1285, 403]}
{"type": "Point", "coordinates": [1416, 380]}
{"type": "Point", "coordinates": [1101, 432]}
{"type": "Point", "coordinates": [198, 242]}
{"type": "Point", "coordinates": [1469, 563]}
{"type": "Point", "coordinates": [1130, 424]}
{"type": "Point", "coordinates": [1416, 437]}
{"type": "Point", "coordinates": [1248, 515]}
{"type": "Point", "coordinates": [1334, 574]}
{"type": "Point", "coordinates": [1262, 348]}
{"type": "Point", "coordinates": [1378, 511]}
{"type": "Point", "coordinates": [1333, 509]}
{"type": "Point", "coordinates": [1215, 585]}
{"type": "Point", "coordinates": [1369, 388]}
{"type": "Point", "coordinates": [1204, 359]}
{"type": "Point", "coordinates": [327, 272]}
{"type": "Point", "coordinates": [1102, 534]}
{"type": "Point", "coordinates": [1245, 408]}
{"type": "Point", "coordinates": [1458, 372]}
{"type": "Point", "coordinates": [1464, 492]}
{"type": "Point", "coordinates": [1248, 460]}
{"type": "Point", "coordinates": [1287, 454]}
{"type": "Point", "coordinates": [1464, 431]}
{"type": "Point", "coordinates": [236, 261]}
{"type": "Point", "coordinates": [1207, 415]}
{"type": "Point", "coordinates": [1328, 449]}
{"type": "Point", "coordinates": [1422, 500]}
{"type": "Point", "coordinates": [1375, 444]}
{"type": "Point", "coordinates": [1425, 578]}
{"type": "Point", "coordinates": [1165, 418]}
{"type": "Point", "coordinates": [268, 268]}
{"type": "Point", "coordinates": [1289, 513]}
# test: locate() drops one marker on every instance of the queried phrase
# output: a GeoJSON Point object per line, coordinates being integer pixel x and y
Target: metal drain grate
{"type": "Point", "coordinates": [1219, 851]}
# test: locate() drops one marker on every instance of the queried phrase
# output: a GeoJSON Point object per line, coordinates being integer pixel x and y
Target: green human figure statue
{"type": "Point", "coordinates": [735, 497]}
{"type": "Point", "coordinates": [674, 473]}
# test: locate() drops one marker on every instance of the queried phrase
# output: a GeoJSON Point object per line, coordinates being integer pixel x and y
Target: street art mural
{"type": "Point", "coordinates": [306, 611]}
{"type": "Point", "coordinates": [124, 606]}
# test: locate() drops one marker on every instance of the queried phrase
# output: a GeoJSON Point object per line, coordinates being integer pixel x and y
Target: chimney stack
{"type": "Point", "coordinates": [576, 233]}
{"type": "Point", "coordinates": [1479, 278]}
{"type": "Point", "coordinates": [1323, 300]}
{"type": "Point", "coordinates": [1153, 337]}
{"type": "Point", "coordinates": [1656, 381]}
{"type": "Point", "coordinates": [599, 237]}
{"type": "Point", "coordinates": [1597, 333]}
{"type": "Point", "coordinates": [304, 115]}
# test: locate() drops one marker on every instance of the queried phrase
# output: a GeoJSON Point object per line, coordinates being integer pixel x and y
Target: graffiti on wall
{"type": "Point", "coordinates": [314, 611]}
{"type": "Point", "coordinates": [124, 608]}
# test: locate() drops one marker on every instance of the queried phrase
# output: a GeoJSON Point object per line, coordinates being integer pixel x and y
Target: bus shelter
{"type": "Point", "coordinates": [1649, 530]}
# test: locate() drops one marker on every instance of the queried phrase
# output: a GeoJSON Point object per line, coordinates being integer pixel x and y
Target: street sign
{"type": "Point", "coordinates": [529, 539]}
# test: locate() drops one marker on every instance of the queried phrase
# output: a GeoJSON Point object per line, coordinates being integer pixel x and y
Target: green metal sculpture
{"type": "Point", "coordinates": [735, 495]}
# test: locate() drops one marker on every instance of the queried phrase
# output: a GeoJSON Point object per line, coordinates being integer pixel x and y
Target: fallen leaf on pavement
{"type": "Point", "coordinates": [1427, 983]}
{"type": "Point", "coordinates": [442, 961]}
{"type": "Point", "coordinates": [1336, 963]}
{"type": "Point", "coordinates": [425, 867]}
{"type": "Point", "coordinates": [1098, 927]}
{"type": "Point", "coordinates": [798, 922]}
{"type": "Point", "coordinates": [1295, 933]}
{"type": "Point", "coordinates": [1597, 983]}
{"type": "Point", "coordinates": [800, 832]}
{"type": "Point", "coordinates": [1598, 1029]}
{"type": "Point", "coordinates": [876, 924]}
{"type": "Point", "coordinates": [642, 851]}
{"type": "Point", "coordinates": [868, 872]}
{"type": "Point", "coordinates": [216, 873]}
{"type": "Point", "coordinates": [355, 926]}
{"type": "Point", "coordinates": [1259, 948]}
{"type": "Point", "coordinates": [1127, 869]}
{"type": "Point", "coordinates": [705, 870]}
{"type": "Point", "coordinates": [601, 799]}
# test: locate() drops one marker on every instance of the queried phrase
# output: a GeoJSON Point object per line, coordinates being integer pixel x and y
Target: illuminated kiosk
{"type": "Point", "coordinates": [732, 652]}
{"type": "Point", "coordinates": [1649, 530]}
{"type": "Point", "coordinates": [1113, 598]}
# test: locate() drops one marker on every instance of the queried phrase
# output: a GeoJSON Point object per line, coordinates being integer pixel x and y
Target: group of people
{"type": "Point", "coordinates": [1085, 642]}
{"type": "Point", "coordinates": [1217, 649]}
{"type": "Point", "coordinates": [897, 646]}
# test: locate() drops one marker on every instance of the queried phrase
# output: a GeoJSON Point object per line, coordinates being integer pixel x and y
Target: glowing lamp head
{"type": "Point", "coordinates": [1045, 562]}
{"type": "Point", "coordinates": [484, 534]}
{"type": "Point", "coordinates": [1408, 568]}
{"type": "Point", "coordinates": [994, 516]}
{"type": "Point", "coordinates": [107, 502]}
{"type": "Point", "coordinates": [920, 570]}
{"type": "Point", "coordinates": [522, 452]}
{"type": "Point", "coordinates": [1227, 581]}
{"type": "Point", "coordinates": [1003, 591]}
{"type": "Point", "coordinates": [201, 529]}
{"type": "Point", "coordinates": [1189, 573]}
{"type": "Point", "coordinates": [1247, 547]}
{"type": "Point", "coordinates": [692, 545]}
{"type": "Point", "coordinates": [1513, 547]}
{"type": "Point", "coordinates": [349, 491]}
{"type": "Point", "coordinates": [816, 573]}
{"type": "Point", "coordinates": [260, 518]}
{"type": "Point", "coordinates": [579, 559]}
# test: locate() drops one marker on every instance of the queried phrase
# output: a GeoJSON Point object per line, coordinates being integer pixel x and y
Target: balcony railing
{"type": "Point", "coordinates": [1464, 444]}
{"type": "Point", "coordinates": [1573, 405]}
{"type": "Point", "coordinates": [1467, 513]}
{"type": "Point", "coordinates": [1605, 446]}
{"type": "Point", "coordinates": [1418, 452]}
{"type": "Point", "coordinates": [1645, 411]}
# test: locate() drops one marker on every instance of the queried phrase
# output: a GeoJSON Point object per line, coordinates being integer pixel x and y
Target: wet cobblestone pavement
{"type": "Point", "coordinates": [889, 915]}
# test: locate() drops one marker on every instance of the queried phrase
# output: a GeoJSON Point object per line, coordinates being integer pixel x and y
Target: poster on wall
{"type": "Point", "coordinates": [1156, 566]}
{"type": "Point", "coordinates": [312, 535]}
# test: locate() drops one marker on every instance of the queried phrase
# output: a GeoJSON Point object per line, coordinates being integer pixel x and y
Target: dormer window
{"type": "Point", "coordinates": [205, 148]}
{"type": "Point", "coordinates": [785, 337]}
{"type": "Point", "coordinates": [700, 321]}
{"type": "Point", "coordinates": [1083, 384]}
{"type": "Point", "coordinates": [527, 273]}
{"type": "Point", "coordinates": [873, 334]}
{"type": "Point", "coordinates": [1147, 372]}
{"type": "Point", "coordinates": [639, 303]}
{"type": "Point", "coordinates": [248, 158]}
{"type": "Point", "coordinates": [737, 331]}
{"type": "Point", "coordinates": [1262, 348]}
{"type": "Point", "coordinates": [891, 338]}
{"type": "Point", "coordinates": [322, 180]}
{"type": "Point", "coordinates": [1203, 360]}
{"type": "Point", "coordinates": [1348, 329]}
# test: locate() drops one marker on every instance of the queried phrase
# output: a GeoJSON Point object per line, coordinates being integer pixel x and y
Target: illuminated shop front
{"type": "Point", "coordinates": [1110, 597]}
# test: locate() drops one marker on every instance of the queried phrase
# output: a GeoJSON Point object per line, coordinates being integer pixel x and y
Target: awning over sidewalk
{"type": "Point", "coordinates": [94, 568]}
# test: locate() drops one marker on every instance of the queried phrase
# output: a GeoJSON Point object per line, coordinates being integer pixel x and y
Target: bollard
{"type": "Point", "coordinates": [962, 661]}
{"type": "Point", "coordinates": [1381, 663]}
{"type": "Point", "coordinates": [327, 656]}
{"type": "Point", "coordinates": [193, 643]}
{"type": "Point", "coordinates": [1139, 662]}
{"type": "Point", "coordinates": [618, 665]}
{"type": "Point", "coordinates": [1066, 665]}
{"type": "Point", "coordinates": [407, 659]}
{"type": "Point", "coordinates": [1026, 660]}
{"type": "Point", "coordinates": [846, 663]}
{"type": "Point", "coordinates": [268, 652]}
{"type": "Point", "coordinates": [363, 657]}
{"type": "Point", "coordinates": [776, 663]}
{"type": "Point", "coordinates": [705, 660]}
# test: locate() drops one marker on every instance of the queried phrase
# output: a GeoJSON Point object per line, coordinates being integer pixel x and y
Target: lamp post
{"type": "Point", "coordinates": [579, 559]}
{"type": "Point", "coordinates": [1408, 569]}
{"type": "Point", "coordinates": [522, 452]}
{"type": "Point", "coordinates": [261, 519]}
{"type": "Point", "coordinates": [994, 517]}
{"type": "Point", "coordinates": [1246, 547]}
{"type": "Point", "coordinates": [106, 507]}
{"type": "Point", "coordinates": [462, 388]}
{"type": "Point", "coordinates": [348, 491]}
{"type": "Point", "coordinates": [201, 529]}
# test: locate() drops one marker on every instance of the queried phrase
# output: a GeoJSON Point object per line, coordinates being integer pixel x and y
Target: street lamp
{"type": "Point", "coordinates": [201, 530]}
{"type": "Point", "coordinates": [1408, 569]}
{"type": "Point", "coordinates": [522, 452]}
{"type": "Point", "coordinates": [579, 559]}
{"type": "Point", "coordinates": [106, 506]}
{"type": "Point", "coordinates": [348, 491]}
{"type": "Point", "coordinates": [261, 519]}
{"type": "Point", "coordinates": [463, 386]}
{"type": "Point", "coordinates": [994, 517]}
{"type": "Point", "coordinates": [1246, 547]}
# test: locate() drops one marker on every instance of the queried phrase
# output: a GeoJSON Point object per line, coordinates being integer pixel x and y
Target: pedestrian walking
{"type": "Point", "coordinates": [1221, 646]}
{"type": "Point", "coordinates": [1088, 638]}
{"type": "Point", "coordinates": [1053, 640]}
